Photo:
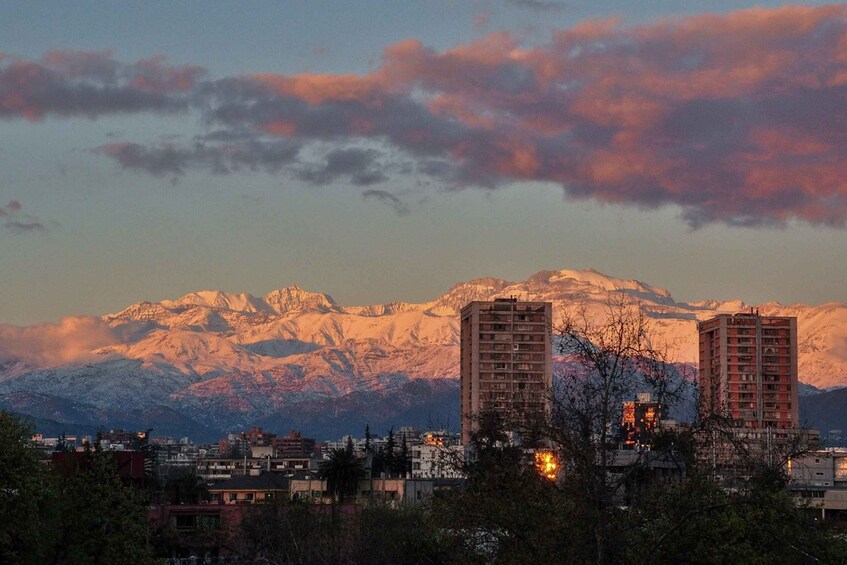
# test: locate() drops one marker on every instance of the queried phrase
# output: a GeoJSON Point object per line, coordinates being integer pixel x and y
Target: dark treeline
{"type": "Point", "coordinates": [80, 512]}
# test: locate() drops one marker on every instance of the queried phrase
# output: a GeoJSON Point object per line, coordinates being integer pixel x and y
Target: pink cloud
{"type": "Point", "coordinates": [736, 118]}
{"type": "Point", "coordinates": [73, 339]}
{"type": "Point", "coordinates": [318, 89]}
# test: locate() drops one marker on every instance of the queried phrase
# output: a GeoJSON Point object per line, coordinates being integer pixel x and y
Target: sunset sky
{"type": "Point", "coordinates": [381, 151]}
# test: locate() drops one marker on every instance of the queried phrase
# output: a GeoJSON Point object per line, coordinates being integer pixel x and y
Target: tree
{"type": "Point", "coordinates": [186, 488]}
{"type": "Point", "coordinates": [508, 513]}
{"type": "Point", "coordinates": [342, 471]}
{"type": "Point", "coordinates": [81, 513]}
{"type": "Point", "coordinates": [696, 521]}
{"type": "Point", "coordinates": [290, 532]}
{"type": "Point", "coordinates": [97, 519]}
{"type": "Point", "coordinates": [349, 446]}
{"type": "Point", "coordinates": [367, 438]}
{"type": "Point", "coordinates": [606, 363]}
{"type": "Point", "coordinates": [23, 495]}
{"type": "Point", "coordinates": [391, 534]}
{"type": "Point", "coordinates": [404, 463]}
{"type": "Point", "coordinates": [389, 459]}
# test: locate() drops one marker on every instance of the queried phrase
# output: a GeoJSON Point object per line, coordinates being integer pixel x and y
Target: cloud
{"type": "Point", "coordinates": [23, 227]}
{"type": "Point", "coordinates": [388, 199]}
{"type": "Point", "coordinates": [540, 5]}
{"type": "Point", "coordinates": [358, 165]}
{"type": "Point", "coordinates": [73, 339]}
{"type": "Point", "coordinates": [16, 221]}
{"type": "Point", "coordinates": [77, 83]}
{"type": "Point", "coordinates": [220, 158]}
{"type": "Point", "coordinates": [735, 118]}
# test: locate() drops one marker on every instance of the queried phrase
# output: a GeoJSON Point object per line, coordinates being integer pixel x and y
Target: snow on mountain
{"type": "Point", "coordinates": [293, 299]}
{"type": "Point", "coordinates": [478, 289]}
{"type": "Point", "coordinates": [222, 300]}
{"type": "Point", "coordinates": [225, 359]}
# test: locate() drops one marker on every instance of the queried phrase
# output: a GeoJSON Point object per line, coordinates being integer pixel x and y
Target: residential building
{"type": "Point", "coordinates": [506, 361]}
{"type": "Point", "coordinates": [196, 533]}
{"type": "Point", "coordinates": [437, 461]}
{"type": "Point", "coordinates": [639, 419]}
{"type": "Point", "coordinates": [250, 489]}
{"type": "Point", "coordinates": [748, 370]}
{"type": "Point", "coordinates": [294, 445]}
{"type": "Point", "coordinates": [215, 469]}
{"type": "Point", "coordinates": [818, 479]}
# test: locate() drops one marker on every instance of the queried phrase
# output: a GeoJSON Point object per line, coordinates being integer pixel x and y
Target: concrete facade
{"type": "Point", "coordinates": [748, 370]}
{"type": "Point", "coordinates": [506, 361]}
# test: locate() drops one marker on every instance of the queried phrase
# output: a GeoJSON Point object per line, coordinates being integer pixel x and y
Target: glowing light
{"type": "Point", "coordinates": [546, 464]}
{"type": "Point", "coordinates": [434, 439]}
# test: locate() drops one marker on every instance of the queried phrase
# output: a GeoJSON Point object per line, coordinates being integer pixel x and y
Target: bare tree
{"type": "Point", "coordinates": [604, 363]}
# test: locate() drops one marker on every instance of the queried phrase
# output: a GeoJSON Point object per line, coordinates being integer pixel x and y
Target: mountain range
{"type": "Point", "coordinates": [213, 361]}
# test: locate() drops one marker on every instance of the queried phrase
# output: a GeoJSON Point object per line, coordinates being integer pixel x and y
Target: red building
{"type": "Point", "coordinates": [133, 467]}
{"type": "Point", "coordinates": [748, 370]}
{"type": "Point", "coordinates": [294, 445]}
{"type": "Point", "coordinates": [506, 361]}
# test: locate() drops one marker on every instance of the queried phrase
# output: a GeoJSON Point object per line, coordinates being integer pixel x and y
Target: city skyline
{"type": "Point", "coordinates": [153, 150]}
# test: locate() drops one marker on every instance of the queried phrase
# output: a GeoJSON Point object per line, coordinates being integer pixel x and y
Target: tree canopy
{"type": "Point", "coordinates": [342, 471]}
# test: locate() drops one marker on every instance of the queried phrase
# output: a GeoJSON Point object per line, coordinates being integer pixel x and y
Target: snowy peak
{"type": "Point", "coordinates": [460, 294]}
{"type": "Point", "coordinates": [295, 342]}
{"type": "Point", "coordinates": [215, 310]}
{"type": "Point", "coordinates": [143, 312]}
{"type": "Point", "coordinates": [556, 286]}
{"type": "Point", "coordinates": [293, 299]}
{"type": "Point", "coordinates": [593, 280]}
{"type": "Point", "coordinates": [377, 310]}
{"type": "Point", "coordinates": [723, 306]}
{"type": "Point", "coordinates": [217, 299]}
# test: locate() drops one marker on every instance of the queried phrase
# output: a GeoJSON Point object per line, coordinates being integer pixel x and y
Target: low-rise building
{"type": "Point", "coordinates": [437, 461]}
{"type": "Point", "coordinates": [294, 445]}
{"type": "Point", "coordinates": [221, 469]}
{"type": "Point", "coordinates": [250, 489]}
{"type": "Point", "coordinates": [819, 480]}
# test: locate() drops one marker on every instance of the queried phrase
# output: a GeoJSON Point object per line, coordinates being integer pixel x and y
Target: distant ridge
{"type": "Point", "coordinates": [215, 361]}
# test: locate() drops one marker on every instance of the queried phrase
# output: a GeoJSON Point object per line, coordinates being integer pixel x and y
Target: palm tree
{"type": "Point", "coordinates": [342, 472]}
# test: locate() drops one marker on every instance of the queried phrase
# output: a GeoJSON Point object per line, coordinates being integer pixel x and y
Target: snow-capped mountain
{"type": "Point", "coordinates": [227, 360]}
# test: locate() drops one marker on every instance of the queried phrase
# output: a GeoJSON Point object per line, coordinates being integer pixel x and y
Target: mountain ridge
{"type": "Point", "coordinates": [230, 359]}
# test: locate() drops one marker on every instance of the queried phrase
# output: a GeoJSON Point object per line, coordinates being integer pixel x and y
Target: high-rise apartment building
{"type": "Point", "coordinates": [506, 360]}
{"type": "Point", "coordinates": [748, 370]}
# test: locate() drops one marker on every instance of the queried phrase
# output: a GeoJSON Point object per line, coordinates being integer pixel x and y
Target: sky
{"type": "Point", "coordinates": [382, 151]}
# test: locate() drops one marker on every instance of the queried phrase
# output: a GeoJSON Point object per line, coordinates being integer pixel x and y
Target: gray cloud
{"type": "Point", "coordinates": [172, 160]}
{"type": "Point", "coordinates": [540, 5]}
{"type": "Point", "coordinates": [359, 166]}
{"type": "Point", "coordinates": [16, 221]}
{"type": "Point", "coordinates": [91, 84]}
{"type": "Point", "coordinates": [24, 227]}
{"type": "Point", "coordinates": [388, 199]}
